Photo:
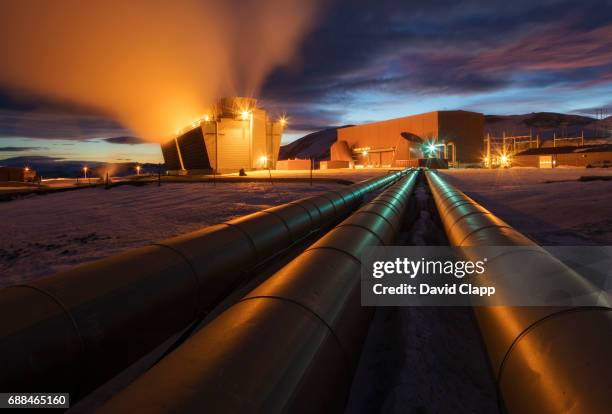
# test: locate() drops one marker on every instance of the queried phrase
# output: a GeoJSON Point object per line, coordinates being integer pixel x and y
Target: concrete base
{"type": "Point", "coordinates": [329, 165]}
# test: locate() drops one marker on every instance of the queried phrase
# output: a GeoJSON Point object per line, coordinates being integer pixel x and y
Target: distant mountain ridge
{"type": "Point", "coordinates": [315, 145]}
{"type": "Point", "coordinates": [545, 124]}
{"type": "Point", "coordinates": [51, 167]}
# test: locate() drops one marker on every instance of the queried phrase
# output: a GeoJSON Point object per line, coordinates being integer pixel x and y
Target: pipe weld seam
{"type": "Point", "coordinates": [249, 239]}
{"type": "Point", "coordinates": [364, 228]}
{"type": "Point", "coordinates": [533, 325]}
{"type": "Point", "coordinates": [283, 221]}
{"type": "Point", "coordinates": [303, 208]}
{"type": "Point", "coordinates": [337, 249]}
{"type": "Point", "coordinates": [309, 201]}
{"type": "Point", "coordinates": [454, 223]}
{"type": "Point", "coordinates": [376, 214]}
{"type": "Point", "coordinates": [454, 206]}
{"type": "Point", "coordinates": [191, 266]}
{"type": "Point", "coordinates": [448, 194]}
{"type": "Point", "coordinates": [336, 214]}
{"type": "Point", "coordinates": [339, 194]}
{"type": "Point", "coordinates": [310, 311]}
{"type": "Point", "coordinates": [501, 226]}
{"type": "Point", "coordinates": [386, 203]}
{"type": "Point", "coordinates": [67, 312]}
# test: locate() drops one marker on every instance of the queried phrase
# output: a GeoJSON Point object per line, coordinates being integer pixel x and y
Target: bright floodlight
{"type": "Point", "coordinates": [364, 153]}
{"type": "Point", "coordinates": [263, 159]}
{"type": "Point", "coordinates": [27, 169]}
{"type": "Point", "coordinates": [85, 169]}
{"type": "Point", "coordinates": [206, 118]}
{"type": "Point", "coordinates": [282, 120]}
{"type": "Point", "coordinates": [431, 148]}
{"type": "Point", "coordinates": [503, 158]}
{"type": "Point", "coordinates": [244, 115]}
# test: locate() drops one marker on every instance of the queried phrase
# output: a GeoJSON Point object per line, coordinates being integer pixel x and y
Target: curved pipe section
{"type": "Point", "coordinates": [72, 331]}
{"type": "Point", "coordinates": [545, 359]}
{"type": "Point", "coordinates": [291, 344]}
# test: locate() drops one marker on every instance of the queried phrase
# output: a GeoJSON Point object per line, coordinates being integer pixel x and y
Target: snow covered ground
{"type": "Point", "coordinates": [549, 205]}
{"type": "Point", "coordinates": [43, 234]}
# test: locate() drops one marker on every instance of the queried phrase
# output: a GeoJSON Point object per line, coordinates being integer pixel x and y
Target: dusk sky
{"type": "Point", "coordinates": [358, 61]}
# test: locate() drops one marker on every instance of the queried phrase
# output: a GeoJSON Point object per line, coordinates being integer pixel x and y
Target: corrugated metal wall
{"type": "Point", "coordinates": [464, 128]}
{"type": "Point", "coordinates": [233, 146]}
{"type": "Point", "coordinates": [193, 150]}
{"type": "Point", "coordinates": [171, 157]}
{"type": "Point", "coordinates": [228, 143]}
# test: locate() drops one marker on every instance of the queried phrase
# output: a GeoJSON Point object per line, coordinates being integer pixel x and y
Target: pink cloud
{"type": "Point", "coordinates": [554, 48]}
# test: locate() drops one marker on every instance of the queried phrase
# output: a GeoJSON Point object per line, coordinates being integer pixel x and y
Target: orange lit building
{"type": "Point", "coordinates": [400, 142]}
{"type": "Point", "coordinates": [236, 134]}
{"type": "Point", "coordinates": [17, 174]}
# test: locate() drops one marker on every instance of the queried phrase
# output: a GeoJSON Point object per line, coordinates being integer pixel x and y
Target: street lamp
{"type": "Point", "coordinates": [244, 115]}
{"type": "Point", "coordinates": [504, 160]}
{"type": "Point", "coordinates": [138, 170]}
{"type": "Point", "coordinates": [85, 171]}
{"type": "Point", "coordinates": [282, 120]}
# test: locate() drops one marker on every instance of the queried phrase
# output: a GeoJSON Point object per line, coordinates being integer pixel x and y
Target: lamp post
{"type": "Point", "coordinates": [138, 170]}
{"type": "Point", "coordinates": [264, 161]}
{"type": "Point", "coordinates": [85, 172]}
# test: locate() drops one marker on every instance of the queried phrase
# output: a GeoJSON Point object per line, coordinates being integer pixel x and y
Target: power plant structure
{"type": "Point", "coordinates": [235, 135]}
{"type": "Point", "coordinates": [450, 136]}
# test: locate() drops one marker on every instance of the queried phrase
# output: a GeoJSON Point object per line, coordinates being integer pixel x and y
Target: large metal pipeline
{"type": "Point", "coordinates": [291, 344]}
{"type": "Point", "coordinates": [545, 359]}
{"type": "Point", "coordinates": [72, 331]}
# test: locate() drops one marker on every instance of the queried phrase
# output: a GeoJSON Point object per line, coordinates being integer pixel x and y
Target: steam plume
{"type": "Point", "coordinates": [153, 65]}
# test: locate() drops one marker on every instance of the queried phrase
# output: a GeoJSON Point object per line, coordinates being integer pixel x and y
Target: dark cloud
{"type": "Point", "coordinates": [126, 140]}
{"type": "Point", "coordinates": [20, 149]}
{"type": "Point", "coordinates": [596, 111]}
{"type": "Point", "coordinates": [409, 49]}
{"type": "Point", "coordinates": [433, 47]}
{"type": "Point", "coordinates": [56, 123]}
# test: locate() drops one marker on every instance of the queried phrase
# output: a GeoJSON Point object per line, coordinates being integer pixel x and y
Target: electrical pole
{"type": "Point", "coordinates": [311, 168]}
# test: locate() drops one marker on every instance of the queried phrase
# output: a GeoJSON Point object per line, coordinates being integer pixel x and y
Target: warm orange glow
{"type": "Point", "coordinates": [263, 160]}
{"type": "Point", "coordinates": [206, 118]}
{"type": "Point", "coordinates": [27, 169]}
{"type": "Point", "coordinates": [245, 115]}
{"type": "Point", "coordinates": [283, 120]}
{"type": "Point", "coordinates": [364, 153]}
{"type": "Point", "coordinates": [504, 160]}
{"type": "Point", "coordinates": [155, 69]}
{"type": "Point", "coordinates": [85, 169]}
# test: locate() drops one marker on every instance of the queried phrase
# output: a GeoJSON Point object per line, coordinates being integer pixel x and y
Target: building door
{"type": "Point", "coordinates": [234, 149]}
{"type": "Point", "coordinates": [546, 161]}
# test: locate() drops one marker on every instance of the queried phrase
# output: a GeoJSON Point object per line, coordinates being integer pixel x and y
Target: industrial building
{"type": "Point", "coordinates": [25, 174]}
{"type": "Point", "coordinates": [234, 135]}
{"type": "Point", "coordinates": [570, 156]}
{"type": "Point", "coordinates": [455, 136]}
